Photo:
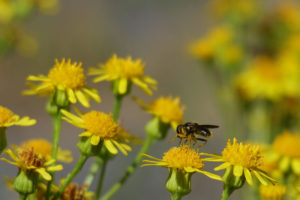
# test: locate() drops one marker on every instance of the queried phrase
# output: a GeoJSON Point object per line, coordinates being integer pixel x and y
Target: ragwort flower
{"type": "Point", "coordinates": [286, 152]}
{"type": "Point", "coordinates": [44, 148]}
{"type": "Point", "coordinates": [64, 77]}
{"type": "Point", "coordinates": [272, 192]}
{"type": "Point", "coordinates": [244, 159]}
{"type": "Point", "coordinates": [99, 126]}
{"type": "Point", "coordinates": [8, 118]}
{"type": "Point", "coordinates": [124, 72]}
{"type": "Point", "coordinates": [28, 160]}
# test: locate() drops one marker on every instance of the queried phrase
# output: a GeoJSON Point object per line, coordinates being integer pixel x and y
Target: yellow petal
{"type": "Point", "coordinates": [55, 168]}
{"type": "Point", "coordinates": [210, 175]}
{"type": "Point", "coordinates": [296, 166]}
{"type": "Point", "coordinates": [284, 163]}
{"type": "Point", "coordinates": [123, 85]}
{"type": "Point", "coordinates": [110, 147]}
{"type": "Point", "coordinates": [44, 174]}
{"type": "Point", "coordinates": [190, 169]}
{"type": "Point", "coordinates": [142, 85]}
{"type": "Point", "coordinates": [120, 147]}
{"type": "Point", "coordinates": [8, 161]}
{"type": "Point", "coordinates": [82, 98]}
{"type": "Point", "coordinates": [72, 117]}
{"type": "Point", "coordinates": [238, 170]}
{"type": "Point", "coordinates": [11, 154]}
{"type": "Point", "coordinates": [148, 156]}
{"type": "Point", "coordinates": [261, 179]}
{"type": "Point", "coordinates": [85, 134]}
{"type": "Point", "coordinates": [101, 78]}
{"type": "Point", "coordinates": [37, 78]}
{"type": "Point", "coordinates": [127, 147]}
{"type": "Point", "coordinates": [222, 166]}
{"type": "Point", "coordinates": [71, 95]}
{"type": "Point", "coordinates": [25, 121]}
{"type": "Point", "coordinates": [95, 140]}
{"type": "Point", "coordinates": [93, 94]}
{"type": "Point", "coordinates": [248, 176]}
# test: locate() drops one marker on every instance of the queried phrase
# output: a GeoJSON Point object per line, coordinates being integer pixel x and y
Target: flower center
{"type": "Point", "coordinates": [124, 68]}
{"type": "Point", "coordinates": [31, 158]}
{"type": "Point", "coordinates": [272, 191]}
{"type": "Point", "coordinates": [67, 75]}
{"type": "Point", "coordinates": [100, 124]}
{"type": "Point", "coordinates": [181, 157]}
{"type": "Point", "coordinates": [6, 115]}
{"type": "Point", "coordinates": [40, 146]}
{"type": "Point", "coordinates": [248, 156]}
{"type": "Point", "coordinates": [287, 144]}
{"type": "Point", "coordinates": [168, 109]}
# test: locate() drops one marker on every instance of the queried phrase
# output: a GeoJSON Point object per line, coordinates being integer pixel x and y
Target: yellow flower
{"type": "Point", "coordinates": [28, 160]}
{"type": "Point", "coordinates": [6, 11]}
{"type": "Point", "coordinates": [244, 159]}
{"type": "Point", "coordinates": [272, 192]}
{"type": "Point", "coordinates": [286, 148]}
{"type": "Point", "coordinates": [74, 191]}
{"type": "Point", "coordinates": [8, 118]}
{"type": "Point", "coordinates": [262, 80]}
{"type": "Point", "coordinates": [124, 72]}
{"type": "Point", "coordinates": [99, 126]}
{"type": "Point", "coordinates": [168, 109]}
{"type": "Point", "coordinates": [44, 148]}
{"type": "Point", "coordinates": [67, 77]}
{"type": "Point", "coordinates": [182, 158]}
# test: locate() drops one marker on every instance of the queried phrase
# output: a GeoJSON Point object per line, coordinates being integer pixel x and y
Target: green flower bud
{"type": "Point", "coordinates": [157, 129]}
{"type": "Point", "coordinates": [178, 183]}
{"type": "Point", "coordinates": [86, 148]}
{"type": "Point", "coordinates": [26, 182]}
{"type": "Point", "coordinates": [3, 140]}
{"type": "Point", "coordinates": [51, 107]}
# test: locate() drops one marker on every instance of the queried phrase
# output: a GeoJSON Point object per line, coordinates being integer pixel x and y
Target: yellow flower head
{"type": "Point", "coordinates": [286, 149]}
{"type": "Point", "coordinates": [272, 192]}
{"type": "Point", "coordinates": [168, 109]}
{"type": "Point", "coordinates": [125, 72]}
{"type": "Point", "coordinates": [28, 160]}
{"type": "Point", "coordinates": [288, 12]}
{"type": "Point", "coordinates": [262, 80]}
{"type": "Point", "coordinates": [67, 77]}
{"type": "Point", "coordinates": [182, 158]}
{"type": "Point", "coordinates": [99, 126]}
{"type": "Point", "coordinates": [74, 191]}
{"type": "Point", "coordinates": [245, 160]}
{"type": "Point", "coordinates": [8, 118]}
{"type": "Point", "coordinates": [44, 148]}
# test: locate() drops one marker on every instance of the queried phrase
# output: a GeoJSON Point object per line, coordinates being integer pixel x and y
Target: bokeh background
{"type": "Point", "coordinates": [159, 33]}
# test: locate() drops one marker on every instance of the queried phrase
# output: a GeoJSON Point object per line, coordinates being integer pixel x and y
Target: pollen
{"type": "Point", "coordinates": [248, 156]}
{"type": "Point", "coordinates": [287, 144]}
{"type": "Point", "coordinates": [6, 115]}
{"type": "Point", "coordinates": [272, 192]}
{"type": "Point", "coordinates": [40, 146]}
{"type": "Point", "coordinates": [31, 158]}
{"type": "Point", "coordinates": [100, 124]}
{"type": "Point", "coordinates": [168, 109]}
{"type": "Point", "coordinates": [124, 68]}
{"type": "Point", "coordinates": [73, 191]}
{"type": "Point", "coordinates": [182, 157]}
{"type": "Point", "coordinates": [67, 75]}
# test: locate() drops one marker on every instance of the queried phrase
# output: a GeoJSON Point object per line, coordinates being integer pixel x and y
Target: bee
{"type": "Point", "coordinates": [191, 132]}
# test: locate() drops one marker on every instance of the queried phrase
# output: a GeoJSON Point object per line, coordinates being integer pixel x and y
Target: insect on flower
{"type": "Point", "coordinates": [191, 132]}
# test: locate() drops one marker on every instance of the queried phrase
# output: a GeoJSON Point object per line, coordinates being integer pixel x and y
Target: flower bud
{"type": "Point", "coordinates": [26, 182]}
{"type": "Point", "coordinates": [157, 129]}
{"type": "Point", "coordinates": [115, 88]}
{"type": "Point", "coordinates": [233, 181]}
{"type": "Point", "coordinates": [179, 182]}
{"type": "Point", "coordinates": [61, 99]}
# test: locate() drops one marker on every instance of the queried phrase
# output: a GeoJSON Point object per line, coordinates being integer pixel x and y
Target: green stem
{"type": "Point", "coordinates": [176, 196]}
{"type": "Point", "coordinates": [227, 191]}
{"type": "Point", "coordinates": [67, 181]}
{"type": "Point", "coordinates": [93, 171]}
{"type": "Point", "coordinates": [130, 169]}
{"type": "Point", "coordinates": [55, 144]}
{"type": "Point", "coordinates": [101, 179]}
{"type": "Point", "coordinates": [117, 106]}
{"type": "Point", "coordinates": [23, 196]}
{"type": "Point", "coordinates": [97, 162]}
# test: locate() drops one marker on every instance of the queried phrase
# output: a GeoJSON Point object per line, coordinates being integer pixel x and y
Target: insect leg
{"type": "Point", "coordinates": [201, 145]}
